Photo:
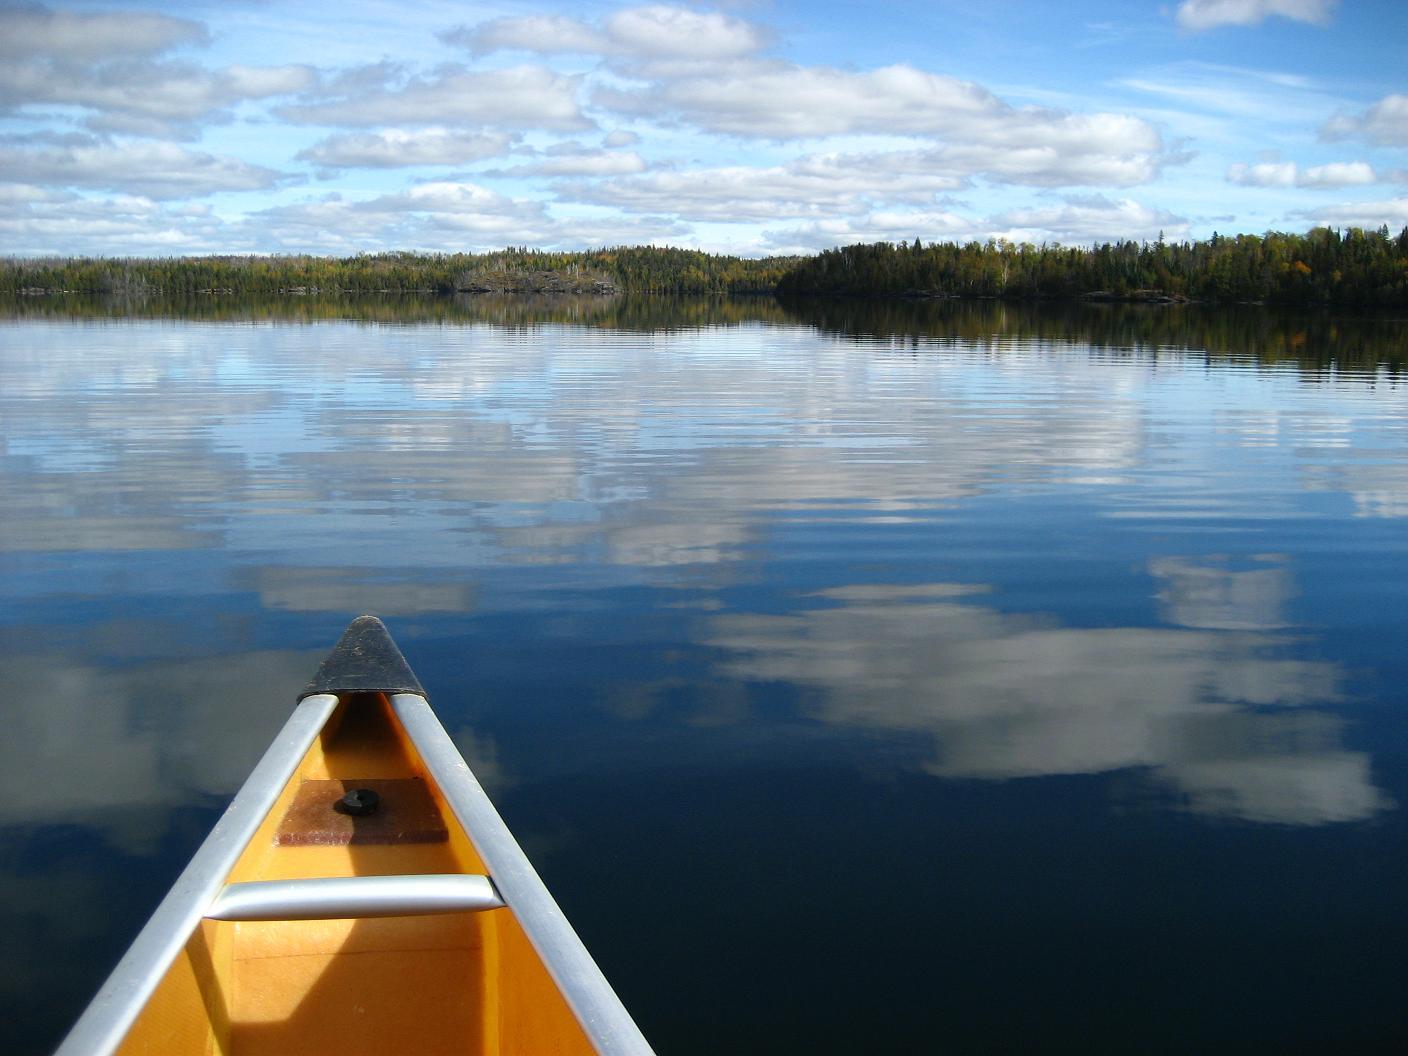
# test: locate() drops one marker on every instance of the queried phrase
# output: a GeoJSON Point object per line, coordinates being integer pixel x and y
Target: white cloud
{"type": "Point", "coordinates": [398, 148]}
{"type": "Point", "coordinates": [1076, 221]}
{"type": "Point", "coordinates": [1289, 174]}
{"type": "Point", "coordinates": [106, 64]}
{"type": "Point", "coordinates": [73, 37]}
{"type": "Point", "coordinates": [540, 34]}
{"type": "Point", "coordinates": [142, 97]}
{"type": "Point", "coordinates": [880, 226]}
{"type": "Point", "coordinates": [651, 32]}
{"type": "Point", "coordinates": [38, 221]}
{"type": "Point", "coordinates": [518, 97]}
{"type": "Point", "coordinates": [1028, 145]}
{"type": "Point", "coordinates": [1267, 174]}
{"type": "Point", "coordinates": [1393, 212]}
{"type": "Point", "coordinates": [783, 101]}
{"type": "Point", "coordinates": [261, 82]}
{"type": "Point", "coordinates": [1385, 123]}
{"type": "Point", "coordinates": [594, 163]}
{"type": "Point", "coordinates": [1338, 174]}
{"type": "Point", "coordinates": [659, 30]}
{"type": "Point", "coordinates": [1209, 14]}
{"type": "Point", "coordinates": [444, 216]}
{"type": "Point", "coordinates": [817, 185]}
{"type": "Point", "coordinates": [1090, 220]}
{"type": "Point", "coordinates": [152, 170]}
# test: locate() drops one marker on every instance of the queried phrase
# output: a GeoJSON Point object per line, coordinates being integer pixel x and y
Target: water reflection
{"type": "Point", "coordinates": [1312, 339]}
{"type": "Point", "coordinates": [1226, 719]}
{"type": "Point", "coordinates": [989, 550]}
{"type": "Point", "coordinates": [135, 743]}
{"type": "Point", "coordinates": [1210, 593]}
{"type": "Point", "coordinates": [1262, 335]}
{"type": "Point", "coordinates": [644, 314]}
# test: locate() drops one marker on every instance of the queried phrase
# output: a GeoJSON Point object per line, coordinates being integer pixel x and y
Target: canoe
{"type": "Point", "coordinates": [360, 895]}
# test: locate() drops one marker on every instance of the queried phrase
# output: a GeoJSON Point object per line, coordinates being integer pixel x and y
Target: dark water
{"type": "Point", "coordinates": [963, 678]}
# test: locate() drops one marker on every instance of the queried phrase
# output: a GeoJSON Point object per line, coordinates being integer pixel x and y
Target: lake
{"type": "Point", "coordinates": [889, 678]}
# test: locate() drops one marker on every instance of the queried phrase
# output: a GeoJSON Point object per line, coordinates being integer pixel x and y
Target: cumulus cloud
{"type": "Point", "coordinates": [1087, 220]}
{"type": "Point", "coordinates": [1209, 14]}
{"type": "Point", "coordinates": [653, 31]}
{"type": "Point", "coordinates": [109, 65]}
{"type": "Point", "coordinates": [261, 82]}
{"type": "Point", "coordinates": [518, 97]}
{"type": "Point", "coordinates": [676, 31]}
{"type": "Point", "coordinates": [593, 163]}
{"type": "Point", "coordinates": [781, 100]}
{"type": "Point", "coordinates": [31, 31]}
{"type": "Point", "coordinates": [1393, 212]}
{"type": "Point", "coordinates": [446, 216]}
{"type": "Point", "coordinates": [1289, 174]}
{"type": "Point", "coordinates": [1267, 174]}
{"type": "Point", "coordinates": [811, 186]}
{"type": "Point", "coordinates": [152, 170]}
{"type": "Point", "coordinates": [143, 98]}
{"type": "Point", "coordinates": [37, 221]}
{"type": "Point", "coordinates": [702, 69]}
{"type": "Point", "coordinates": [879, 226]}
{"type": "Point", "coordinates": [1075, 221]}
{"type": "Point", "coordinates": [540, 34]}
{"type": "Point", "coordinates": [400, 148]}
{"type": "Point", "coordinates": [1031, 145]}
{"type": "Point", "coordinates": [1385, 123]}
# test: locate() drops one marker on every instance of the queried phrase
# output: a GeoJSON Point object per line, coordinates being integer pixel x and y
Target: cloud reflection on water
{"type": "Point", "coordinates": [344, 469]}
{"type": "Point", "coordinates": [1221, 717]}
{"type": "Point", "coordinates": [117, 748]}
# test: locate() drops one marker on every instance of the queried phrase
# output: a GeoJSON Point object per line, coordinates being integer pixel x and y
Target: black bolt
{"type": "Point", "coordinates": [359, 802]}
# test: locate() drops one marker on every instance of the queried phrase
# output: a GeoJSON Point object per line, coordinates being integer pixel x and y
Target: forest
{"type": "Point", "coordinates": [639, 269]}
{"type": "Point", "coordinates": [1323, 267]}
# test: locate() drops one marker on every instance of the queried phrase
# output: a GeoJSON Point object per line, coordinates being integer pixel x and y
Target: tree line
{"type": "Point", "coordinates": [1325, 266]}
{"type": "Point", "coordinates": [640, 269]}
{"type": "Point", "coordinates": [1322, 267]}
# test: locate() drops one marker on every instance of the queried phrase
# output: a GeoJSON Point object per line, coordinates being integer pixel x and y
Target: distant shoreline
{"type": "Point", "coordinates": [1322, 268]}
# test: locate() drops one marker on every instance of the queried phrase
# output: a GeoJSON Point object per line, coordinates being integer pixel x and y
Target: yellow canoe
{"type": "Point", "coordinates": [360, 895]}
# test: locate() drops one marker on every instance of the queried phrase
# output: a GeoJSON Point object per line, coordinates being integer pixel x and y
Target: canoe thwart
{"type": "Point", "coordinates": [364, 660]}
{"type": "Point", "coordinates": [340, 897]}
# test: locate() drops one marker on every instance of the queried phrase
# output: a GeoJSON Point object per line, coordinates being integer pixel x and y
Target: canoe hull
{"type": "Point", "coordinates": [461, 982]}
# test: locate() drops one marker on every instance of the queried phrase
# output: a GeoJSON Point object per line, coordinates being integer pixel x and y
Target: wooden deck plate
{"type": "Point", "coordinates": [406, 814]}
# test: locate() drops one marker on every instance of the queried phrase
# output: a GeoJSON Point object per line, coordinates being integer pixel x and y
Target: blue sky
{"type": "Point", "coordinates": [742, 127]}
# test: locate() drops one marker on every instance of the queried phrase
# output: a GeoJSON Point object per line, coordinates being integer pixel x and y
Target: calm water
{"type": "Point", "coordinates": [973, 678]}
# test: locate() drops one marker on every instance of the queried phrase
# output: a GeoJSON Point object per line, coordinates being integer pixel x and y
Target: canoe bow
{"type": "Point", "coordinates": [360, 894]}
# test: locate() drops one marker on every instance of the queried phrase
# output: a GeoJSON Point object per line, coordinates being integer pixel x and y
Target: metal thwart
{"type": "Point", "coordinates": [344, 897]}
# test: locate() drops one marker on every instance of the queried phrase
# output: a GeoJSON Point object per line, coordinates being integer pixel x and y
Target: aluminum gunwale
{"type": "Point", "coordinates": [112, 1012]}
{"type": "Point", "coordinates": [600, 1012]}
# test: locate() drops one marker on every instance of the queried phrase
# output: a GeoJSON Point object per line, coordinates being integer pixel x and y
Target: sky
{"type": "Point", "coordinates": [753, 128]}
